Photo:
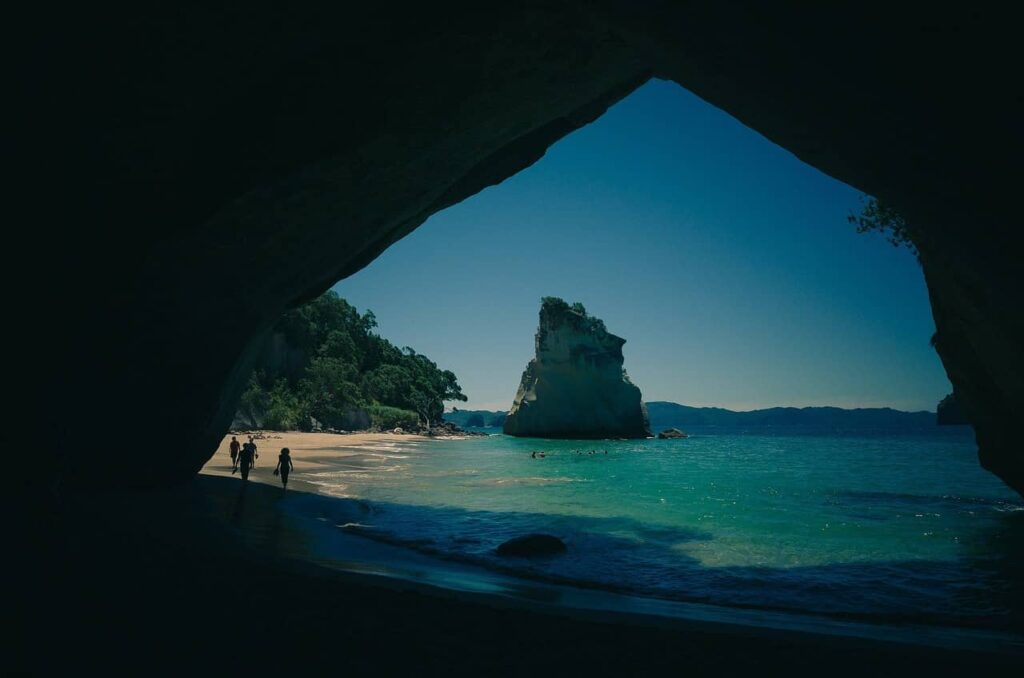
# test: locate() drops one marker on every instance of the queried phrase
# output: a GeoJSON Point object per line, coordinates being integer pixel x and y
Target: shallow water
{"type": "Point", "coordinates": [869, 526]}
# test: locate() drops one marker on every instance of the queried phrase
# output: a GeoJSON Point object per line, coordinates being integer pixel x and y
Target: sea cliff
{"type": "Point", "coordinates": [575, 386]}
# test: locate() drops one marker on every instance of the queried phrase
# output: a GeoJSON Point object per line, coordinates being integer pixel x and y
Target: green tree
{"type": "Point", "coordinates": [431, 386]}
{"type": "Point", "coordinates": [388, 385]}
{"type": "Point", "coordinates": [326, 359]}
{"type": "Point", "coordinates": [883, 218]}
{"type": "Point", "coordinates": [254, 400]}
{"type": "Point", "coordinates": [284, 409]}
{"type": "Point", "coordinates": [329, 390]}
{"type": "Point", "coordinates": [339, 344]}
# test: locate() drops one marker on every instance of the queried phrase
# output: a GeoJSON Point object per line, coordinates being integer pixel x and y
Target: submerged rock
{"type": "Point", "coordinates": [673, 433]}
{"type": "Point", "coordinates": [575, 387]}
{"type": "Point", "coordinates": [532, 545]}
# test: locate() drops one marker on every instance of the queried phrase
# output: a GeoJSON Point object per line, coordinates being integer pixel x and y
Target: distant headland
{"type": "Point", "coordinates": [663, 414]}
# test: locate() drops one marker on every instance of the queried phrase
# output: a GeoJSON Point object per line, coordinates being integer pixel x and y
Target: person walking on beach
{"type": "Point", "coordinates": [235, 447]}
{"type": "Point", "coordinates": [246, 448]}
{"type": "Point", "coordinates": [245, 459]}
{"type": "Point", "coordinates": [284, 466]}
{"type": "Point", "coordinates": [255, 454]}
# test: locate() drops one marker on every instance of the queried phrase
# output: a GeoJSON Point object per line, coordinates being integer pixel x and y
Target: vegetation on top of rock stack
{"type": "Point", "coordinates": [557, 311]}
{"type": "Point", "coordinates": [324, 361]}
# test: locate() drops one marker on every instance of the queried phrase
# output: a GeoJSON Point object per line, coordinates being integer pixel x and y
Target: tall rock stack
{"type": "Point", "coordinates": [575, 387]}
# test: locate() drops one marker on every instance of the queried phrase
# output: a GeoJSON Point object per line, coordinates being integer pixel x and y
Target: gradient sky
{"type": "Point", "coordinates": [725, 262]}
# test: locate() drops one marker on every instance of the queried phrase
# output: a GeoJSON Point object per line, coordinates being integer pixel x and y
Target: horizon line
{"type": "Point", "coordinates": [491, 407]}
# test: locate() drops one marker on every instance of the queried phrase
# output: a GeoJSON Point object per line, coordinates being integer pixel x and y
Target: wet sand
{"type": "Point", "coordinates": [215, 576]}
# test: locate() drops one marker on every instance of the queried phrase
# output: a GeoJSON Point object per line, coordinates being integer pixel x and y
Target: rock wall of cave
{"type": "Point", "coordinates": [186, 174]}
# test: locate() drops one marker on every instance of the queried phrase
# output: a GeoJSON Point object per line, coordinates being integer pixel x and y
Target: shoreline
{"type": "Point", "coordinates": [347, 548]}
{"type": "Point", "coordinates": [401, 565]}
{"type": "Point", "coordinates": [192, 576]}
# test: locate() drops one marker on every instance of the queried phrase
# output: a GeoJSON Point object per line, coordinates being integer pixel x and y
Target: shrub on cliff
{"type": "Point", "coordinates": [877, 215]}
{"type": "Point", "coordinates": [285, 411]}
{"type": "Point", "coordinates": [324, 359]}
{"type": "Point", "coordinates": [560, 311]}
{"type": "Point", "coordinates": [384, 417]}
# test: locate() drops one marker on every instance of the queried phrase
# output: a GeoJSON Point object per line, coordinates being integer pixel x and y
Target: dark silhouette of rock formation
{"type": "Point", "coordinates": [185, 176]}
{"type": "Point", "coordinates": [949, 412]}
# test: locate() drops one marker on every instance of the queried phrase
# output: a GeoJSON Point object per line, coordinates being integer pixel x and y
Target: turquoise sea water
{"type": "Point", "coordinates": [872, 526]}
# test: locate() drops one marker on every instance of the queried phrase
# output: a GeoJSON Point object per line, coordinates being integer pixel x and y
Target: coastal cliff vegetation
{"type": "Point", "coordinates": [881, 217]}
{"type": "Point", "coordinates": [324, 365]}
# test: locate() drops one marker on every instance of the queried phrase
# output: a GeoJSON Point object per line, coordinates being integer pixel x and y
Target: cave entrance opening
{"type": "Point", "coordinates": [726, 263]}
{"type": "Point", "coordinates": [731, 270]}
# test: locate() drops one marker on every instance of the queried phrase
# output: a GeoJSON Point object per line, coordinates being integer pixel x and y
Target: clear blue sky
{"type": "Point", "coordinates": [725, 262]}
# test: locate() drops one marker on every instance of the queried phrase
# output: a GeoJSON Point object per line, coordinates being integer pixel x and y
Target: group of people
{"type": "Point", "coordinates": [244, 455]}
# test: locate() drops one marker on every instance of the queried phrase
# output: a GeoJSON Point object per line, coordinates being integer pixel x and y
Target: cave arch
{"type": "Point", "coordinates": [310, 140]}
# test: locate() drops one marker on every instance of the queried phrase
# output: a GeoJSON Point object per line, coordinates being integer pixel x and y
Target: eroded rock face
{"type": "Point", "coordinates": [575, 387]}
{"type": "Point", "coordinates": [949, 412]}
{"type": "Point", "coordinates": [187, 175]}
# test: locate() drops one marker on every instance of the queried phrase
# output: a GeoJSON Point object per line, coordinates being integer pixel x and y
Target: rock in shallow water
{"type": "Point", "coordinates": [532, 545]}
{"type": "Point", "coordinates": [575, 387]}
{"type": "Point", "coordinates": [673, 433]}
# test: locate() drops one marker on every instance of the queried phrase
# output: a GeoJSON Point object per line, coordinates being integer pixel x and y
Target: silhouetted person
{"type": "Point", "coordinates": [255, 454]}
{"type": "Point", "coordinates": [245, 458]}
{"type": "Point", "coordinates": [533, 454]}
{"type": "Point", "coordinates": [284, 466]}
{"type": "Point", "coordinates": [235, 447]}
{"type": "Point", "coordinates": [245, 446]}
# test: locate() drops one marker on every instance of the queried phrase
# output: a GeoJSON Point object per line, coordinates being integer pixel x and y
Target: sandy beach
{"type": "Point", "coordinates": [308, 451]}
{"type": "Point", "coordinates": [216, 574]}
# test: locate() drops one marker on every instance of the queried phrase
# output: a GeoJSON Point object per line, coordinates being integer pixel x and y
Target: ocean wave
{"type": "Point", "coordinates": [910, 498]}
{"type": "Point", "coordinates": [529, 480]}
{"type": "Point", "coordinates": [364, 450]}
{"type": "Point", "coordinates": [741, 588]}
{"type": "Point", "coordinates": [448, 473]}
{"type": "Point", "coordinates": [720, 524]}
